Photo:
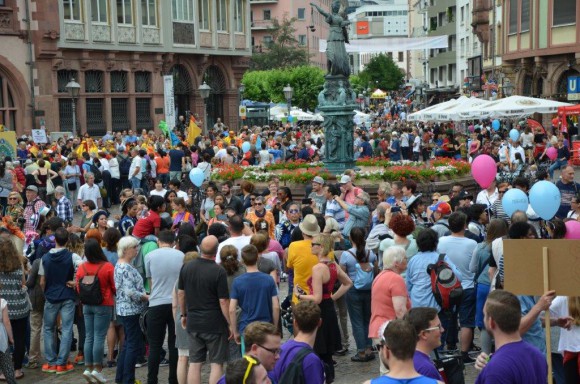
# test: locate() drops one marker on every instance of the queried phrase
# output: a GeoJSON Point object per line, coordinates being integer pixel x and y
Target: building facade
{"type": "Point", "coordinates": [541, 46]}
{"type": "Point", "coordinates": [310, 26]}
{"type": "Point", "coordinates": [442, 15]}
{"type": "Point", "coordinates": [119, 51]}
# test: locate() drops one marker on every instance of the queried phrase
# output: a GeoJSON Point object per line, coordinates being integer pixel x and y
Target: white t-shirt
{"type": "Point", "coordinates": [264, 157]}
{"type": "Point", "coordinates": [135, 163]}
{"type": "Point", "coordinates": [239, 242]}
{"type": "Point", "coordinates": [527, 139]}
{"type": "Point", "coordinates": [417, 144]}
{"type": "Point", "coordinates": [221, 153]}
{"type": "Point", "coordinates": [104, 165]}
{"type": "Point", "coordinates": [484, 198]}
{"type": "Point", "coordinates": [569, 340]}
{"type": "Point", "coordinates": [183, 195]}
{"type": "Point", "coordinates": [158, 193]}
{"type": "Point", "coordinates": [114, 168]}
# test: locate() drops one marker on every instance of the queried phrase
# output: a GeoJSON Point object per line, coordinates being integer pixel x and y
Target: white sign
{"type": "Point", "coordinates": [169, 101]}
{"type": "Point", "coordinates": [242, 110]}
{"type": "Point", "coordinates": [39, 136]}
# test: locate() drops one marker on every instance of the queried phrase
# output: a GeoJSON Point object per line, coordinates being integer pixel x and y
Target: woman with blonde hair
{"type": "Point", "coordinates": [13, 290]}
{"type": "Point", "coordinates": [320, 287]}
{"type": "Point", "coordinates": [15, 207]}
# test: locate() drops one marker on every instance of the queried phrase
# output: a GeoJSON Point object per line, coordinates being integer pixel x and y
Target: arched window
{"type": "Point", "coordinates": [7, 107]}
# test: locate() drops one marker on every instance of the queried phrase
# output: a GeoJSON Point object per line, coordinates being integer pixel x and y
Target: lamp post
{"type": "Point", "coordinates": [508, 88]}
{"type": "Point", "coordinates": [241, 91]}
{"type": "Point", "coordinates": [362, 101]}
{"type": "Point", "coordinates": [288, 92]}
{"type": "Point", "coordinates": [74, 89]}
{"type": "Point", "coordinates": [204, 91]}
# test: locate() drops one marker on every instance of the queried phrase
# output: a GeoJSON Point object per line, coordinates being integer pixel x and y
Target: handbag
{"type": "Point", "coordinates": [450, 367]}
{"type": "Point", "coordinates": [49, 187]}
{"type": "Point", "coordinates": [72, 186]}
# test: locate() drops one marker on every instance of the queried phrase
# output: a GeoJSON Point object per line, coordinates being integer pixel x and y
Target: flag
{"type": "Point", "coordinates": [193, 131]}
{"type": "Point", "coordinates": [163, 128]}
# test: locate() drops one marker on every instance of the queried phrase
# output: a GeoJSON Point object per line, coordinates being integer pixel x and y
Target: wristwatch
{"type": "Point", "coordinates": [182, 316]}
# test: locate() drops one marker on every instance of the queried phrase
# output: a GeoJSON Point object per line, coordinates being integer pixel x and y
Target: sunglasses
{"type": "Point", "coordinates": [251, 363]}
{"type": "Point", "coordinates": [437, 327]}
{"type": "Point", "coordinates": [293, 211]}
{"type": "Point", "coordinates": [504, 191]}
{"type": "Point", "coordinates": [13, 198]}
{"type": "Point", "coordinates": [252, 198]}
{"type": "Point", "coordinates": [259, 204]}
{"type": "Point", "coordinates": [313, 244]}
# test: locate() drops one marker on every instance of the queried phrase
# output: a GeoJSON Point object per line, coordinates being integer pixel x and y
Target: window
{"type": "Point", "coordinates": [149, 13]}
{"type": "Point", "coordinates": [118, 81]}
{"type": "Point", "coordinates": [93, 81]}
{"type": "Point", "coordinates": [301, 13]}
{"type": "Point", "coordinates": [183, 9]}
{"type": "Point", "coordinates": [401, 57]}
{"type": "Point", "coordinates": [142, 82]}
{"type": "Point", "coordinates": [302, 40]}
{"type": "Point", "coordinates": [95, 117]}
{"type": "Point", "coordinates": [564, 12]}
{"type": "Point", "coordinates": [119, 113]}
{"type": "Point", "coordinates": [99, 11]}
{"type": "Point", "coordinates": [513, 16]}
{"type": "Point", "coordinates": [7, 107]}
{"type": "Point", "coordinates": [239, 14]}
{"type": "Point", "coordinates": [143, 113]}
{"type": "Point", "coordinates": [525, 21]}
{"type": "Point", "coordinates": [222, 15]}
{"type": "Point", "coordinates": [125, 12]}
{"type": "Point", "coordinates": [204, 15]}
{"type": "Point", "coordinates": [63, 76]}
{"type": "Point", "coordinates": [267, 40]}
{"type": "Point", "coordinates": [267, 14]}
{"type": "Point", "coordinates": [72, 10]}
{"type": "Point", "coordinates": [65, 116]}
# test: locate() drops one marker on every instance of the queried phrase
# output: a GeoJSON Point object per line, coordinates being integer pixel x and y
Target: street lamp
{"type": "Point", "coordinates": [241, 91]}
{"type": "Point", "coordinates": [204, 91]}
{"type": "Point", "coordinates": [508, 88]}
{"type": "Point", "coordinates": [73, 89]}
{"type": "Point", "coordinates": [288, 92]}
{"type": "Point", "coordinates": [362, 101]}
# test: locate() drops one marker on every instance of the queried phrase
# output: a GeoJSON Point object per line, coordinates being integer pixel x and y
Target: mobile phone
{"type": "Point", "coordinates": [300, 290]}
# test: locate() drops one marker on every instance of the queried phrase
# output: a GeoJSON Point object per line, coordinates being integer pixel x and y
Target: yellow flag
{"type": "Point", "coordinates": [193, 131]}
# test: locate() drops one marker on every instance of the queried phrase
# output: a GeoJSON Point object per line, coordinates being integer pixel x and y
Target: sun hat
{"type": "Point", "coordinates": [309, 226]}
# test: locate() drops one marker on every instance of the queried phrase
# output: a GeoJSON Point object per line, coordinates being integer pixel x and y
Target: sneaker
{"type": "Point", "coordinates": [64, 369]}
{"type": "Point", "coordinates": [111, 363]}
{"type": "Point", "coordinates": [99, 377]}
{"type": "Point", "coordinates": [164, 363]}
{"type": "Point", "coordinates": [467, 360]}
{"type": "Point", "coordinates": [32, 365]}
{"type": "Point", "coordinates": [141, 363]}
{"type": "Point", "coordinates": [341, 352]}
{"type": "Point", "coordinates": [48, 368]}
{"type": "Point", "coordinates": [88, 377]}
{"type": "Point", "coordinates": [80, 360]}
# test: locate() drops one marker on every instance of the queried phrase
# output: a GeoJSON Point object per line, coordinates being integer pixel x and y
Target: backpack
{"type": "Point", "coordinates": [363, 279]}
{"type": "Point", "coordinates": [445, 286]}
{"type": "Point", "coordinates": [139, 261]}
{"type": "Point", "coordinates": [294, 374]}
{"type": "Point", "coordinates": [95, 171]}
{"type": "Point", "coordinates": [90, 288]}
{"type": "Point", "coordinates": [124, 166]}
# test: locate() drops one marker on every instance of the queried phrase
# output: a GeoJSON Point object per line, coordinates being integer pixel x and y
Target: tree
{"type": "Point", "coordinates": [283, 51]}
{"type": "Point", "coordinates": [306, 82]}
{"type": "Point", "coordinates": [382, 72]}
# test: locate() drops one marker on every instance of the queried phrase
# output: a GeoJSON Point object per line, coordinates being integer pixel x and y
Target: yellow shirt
{"type": "Point", "coordinates": [301, 259]}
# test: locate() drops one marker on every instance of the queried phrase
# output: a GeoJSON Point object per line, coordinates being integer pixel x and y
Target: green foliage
{"type": "Point", "coordinates": [382, 72]}
{"type": "Point", "coordinates": [267, 86]}
{"type": "Point", "coordinates": [283, 51]}
{"type": "Point", "coordinates": [357, 83]}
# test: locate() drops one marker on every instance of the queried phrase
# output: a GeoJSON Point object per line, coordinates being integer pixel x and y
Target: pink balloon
{"type": "Point", "coordinates": [483, 170]}
{"type": "Point", "coordinates": [572, 230]}
{"type": "Point", "coordinates": [552, 153]}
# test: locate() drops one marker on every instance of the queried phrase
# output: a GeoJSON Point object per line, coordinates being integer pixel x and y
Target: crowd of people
{"type": "Point", "coordinates": [186, 274]}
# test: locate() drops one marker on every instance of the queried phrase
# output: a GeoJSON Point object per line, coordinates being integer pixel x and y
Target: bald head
{"type": "Point", "coordinates": [209, 247]}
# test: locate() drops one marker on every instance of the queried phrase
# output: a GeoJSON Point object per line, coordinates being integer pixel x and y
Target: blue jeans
{"type": "Point", "coordinates": [97, 319]}
{"type": "Point", "coordinates": [358, 303]}
{"type": "Point", "coordinates": [164, 178]}
{"type": "Point", "coordinates": [66, 309]}
{"type": "Point", "coordinates": [174, 175]}
{"type": "Point", "coordinates": [135, 183]}
{"type": "Point", "coordinates": [558, 164]}
{"type": "Point", "coordinates": [131, 349]}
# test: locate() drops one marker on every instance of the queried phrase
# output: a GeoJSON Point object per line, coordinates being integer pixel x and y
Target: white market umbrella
{"type": "Point", "coordinates": [462, 110]}
{"type": "Point", "coordinates": [518, 106]}
{"type": "Point", "coordinates": [429, 113]}
{"type": "Point", "coordinates": [360, 117]}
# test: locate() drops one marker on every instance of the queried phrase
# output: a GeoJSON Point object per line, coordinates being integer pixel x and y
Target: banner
{"type": "Point", "coordinates": [393, 44]}
{"type": "Point", "coordinates": [39, 136]}
{"type": "Point", "coordinates": [8, 144]}
{"type": "Point", "coordinates": [169, 101]}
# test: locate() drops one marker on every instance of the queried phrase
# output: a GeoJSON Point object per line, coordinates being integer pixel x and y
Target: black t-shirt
{"type": "Point", "coordinates": [175, 156]}
{"type": "Point", "coordinates": [204, 283]}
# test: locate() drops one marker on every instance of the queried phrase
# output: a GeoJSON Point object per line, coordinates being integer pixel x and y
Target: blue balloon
{"type": "Point", "coordinates": [495, 125]}
{"type": "Point", "coordinates": [514, 134]}
{"type": "Point", "coordinates": [196, 176]}
{"type": "Point", "coordinates": [545, 199]}
{"type": "Point", "coordinates": [514, 200]}
{"type": "Point", "coordinates": [246, 146]}
{"type": "Point", "coordinates": [226, 133]}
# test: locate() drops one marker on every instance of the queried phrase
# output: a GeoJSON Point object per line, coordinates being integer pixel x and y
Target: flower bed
{"type": "Point", "coordinates": [371, 169]}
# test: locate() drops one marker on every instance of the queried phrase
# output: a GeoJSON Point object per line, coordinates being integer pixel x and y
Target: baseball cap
{"type": "Point", "coordinates": [32, 188]}
{"type": "Point", "coordinates": [441, 207]}
{"type": "Point", "coordinates": [318, 180]}
{"type": "Point", "coordinates": [345, 179]}
{"type": "Point", "coordinates": [464, 195]}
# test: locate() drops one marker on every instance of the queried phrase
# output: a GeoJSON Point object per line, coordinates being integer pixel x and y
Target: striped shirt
{"type": "Point", "coordinates": [11, 289]}
{"type": "Point", "coordinates": [334, 210]}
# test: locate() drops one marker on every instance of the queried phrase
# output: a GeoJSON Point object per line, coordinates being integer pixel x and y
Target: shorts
{"type": "Point", "coordinates": [467, 309]}
{"type": "Point", "coordinates": [182, 352]}
{"type": "Point", "coordinates": [215, 345]}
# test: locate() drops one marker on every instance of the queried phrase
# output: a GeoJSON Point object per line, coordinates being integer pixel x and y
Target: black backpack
{"type": "Point", "coordinates": [294, 374]}
{"type": "Point", "coordinates": [90, 288]}
{"type": "Point", "coordinates": [95, 171]}
{"type": "Point", "coordinates": [124, 166]}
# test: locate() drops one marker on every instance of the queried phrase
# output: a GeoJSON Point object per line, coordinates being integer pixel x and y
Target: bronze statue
{"type": "Point", "coordinates": [336, 56]}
